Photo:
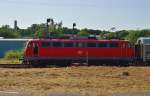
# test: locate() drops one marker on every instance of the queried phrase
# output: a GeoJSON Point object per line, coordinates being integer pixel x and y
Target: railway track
{"type": "Point", "coordinates": [15, 66]}
{"type": "Point", "coordinates": [35, 66]}
{"type": "Point", "coordinates": [50, 66]}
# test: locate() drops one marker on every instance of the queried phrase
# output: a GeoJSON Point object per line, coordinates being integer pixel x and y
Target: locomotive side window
{"type": "Point", "coordinates": [102, 44]}
{"type": "Point", "coordinates": [45, 44]}
{"type": "Point", "coordinates": [91, 44]}
{"type": "Point", "coordinates": [57, 44]}
{"type": "Point", "coordinates": [68, 44]}
{"type": "Point", "coordinates": [113, 44]}
{"type": "Point", "coordinates": [80, 44]}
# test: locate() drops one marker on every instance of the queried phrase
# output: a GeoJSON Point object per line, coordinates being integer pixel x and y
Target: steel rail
{"type": "Point", "coordinates": [15, 66]}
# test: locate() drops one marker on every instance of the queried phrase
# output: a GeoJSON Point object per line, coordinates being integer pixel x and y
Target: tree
{"type": "Point", "coordinates": [135, 34]}
{"type": "Point", "coordinates": [112, 35]}
{"type": "Point", "coordinates": [7, 32]}
{"type": "Point", "coordinates": [122, 35]}
{"type": "Point", "coordinates": [83, 32]}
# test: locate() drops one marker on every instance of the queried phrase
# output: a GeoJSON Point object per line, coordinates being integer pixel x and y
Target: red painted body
{"type": "Point", "coordinates": [122, 52]}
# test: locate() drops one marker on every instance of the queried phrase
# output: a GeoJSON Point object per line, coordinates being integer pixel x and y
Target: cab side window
{"type": "Point", "coordinates": [35, 45]}
{"type": "Point", "coordinates": [29, 45]}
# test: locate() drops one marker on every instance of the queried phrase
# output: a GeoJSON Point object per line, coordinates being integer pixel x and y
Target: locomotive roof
{"type": "Point", "coordinates": [80, 40]}
{"type": "Point", "coordinates": [143, 40]}
{"type": "Point", "coordinates": [9, 39]}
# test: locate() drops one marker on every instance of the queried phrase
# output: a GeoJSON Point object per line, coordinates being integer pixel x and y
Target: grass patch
{"type": "Point", "coordinates": [13, 54]}
{"type": "Point", "coordinates": [10, 61]}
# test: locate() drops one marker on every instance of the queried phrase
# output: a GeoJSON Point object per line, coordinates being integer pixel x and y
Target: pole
{"type": "Point", "coordinates": [47, 27]}
{"type": "Point", "coordinates": [74, 24]}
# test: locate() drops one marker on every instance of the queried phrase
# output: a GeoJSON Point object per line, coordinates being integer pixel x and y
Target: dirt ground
{"type": "Point", "coordinates": [78, 81]}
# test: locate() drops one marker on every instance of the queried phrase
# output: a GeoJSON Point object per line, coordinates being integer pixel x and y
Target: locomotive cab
{"type": "Point", "coordinates": [32, 49]}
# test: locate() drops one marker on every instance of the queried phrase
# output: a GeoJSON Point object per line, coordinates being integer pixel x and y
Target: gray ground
{"type": "Point", "coordinates": [134, 94]}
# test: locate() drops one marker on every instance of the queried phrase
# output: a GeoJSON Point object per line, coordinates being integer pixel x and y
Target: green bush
{"type": "Point", "coordinates": [13, 54]}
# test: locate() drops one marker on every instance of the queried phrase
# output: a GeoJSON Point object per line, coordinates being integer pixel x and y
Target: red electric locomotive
{"type": "Point", "coordinates": [67, 51]}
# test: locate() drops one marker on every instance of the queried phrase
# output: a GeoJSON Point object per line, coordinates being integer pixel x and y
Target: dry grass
{"type": "Point", "coordinates": [10, 61]}
{"type": "Point", "coordinates": [86, 81]}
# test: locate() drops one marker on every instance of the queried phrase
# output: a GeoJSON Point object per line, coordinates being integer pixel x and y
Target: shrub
{"type": "Point", "coordinates": [13, 54]}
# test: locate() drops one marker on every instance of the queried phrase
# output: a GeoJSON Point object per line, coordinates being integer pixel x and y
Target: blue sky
{"type": "Point", "coordinates": [94, 14]}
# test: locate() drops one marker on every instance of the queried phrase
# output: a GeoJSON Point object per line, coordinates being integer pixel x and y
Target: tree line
{"type": "Point", "coordinates": [56, 30]}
